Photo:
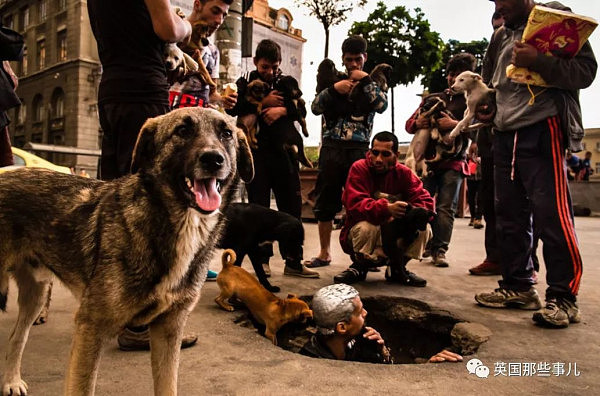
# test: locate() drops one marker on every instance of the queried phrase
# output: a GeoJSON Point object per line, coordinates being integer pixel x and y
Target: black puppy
{"type": "Point", "coordinates": [250, 225]}
{"type": "Point", "coordinates": [405, 228]}
{"type": "Point", "coordinates": [328, 74]}
{"type": "Point", "coordinates": [381, 75]}
{"type": "Point", "coordinates": [288, 88]}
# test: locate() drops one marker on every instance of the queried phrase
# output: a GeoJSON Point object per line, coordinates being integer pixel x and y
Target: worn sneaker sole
{"type": "Point", "coordinates": [300, 274]}
{"type": "Point", "coordinates": [529, 306]}
{"type": "Point", "coordinates": [543, 320]}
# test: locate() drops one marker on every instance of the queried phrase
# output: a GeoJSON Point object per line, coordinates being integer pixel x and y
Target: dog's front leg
{"type": "Point", "coordinates": [166, 333]}
{"type": "Point", "coordinates": [86, 349]}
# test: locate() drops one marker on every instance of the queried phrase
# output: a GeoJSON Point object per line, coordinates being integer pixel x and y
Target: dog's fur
{"type": "Point", "coordinates": [405, 229]}
{"type": "Point", "coordinates": [178, 63]}
{"type": "Point", "coordinates": [415, 156]}
{"type": "Point", "coordinates": [476, 94]}
{"type": "Point", "coordinates": [328, 74]}
{"type": "Point", "coordinates": [250, 225]}
{"type": "Point", "coordinates": [265, 307]}
{"type": "Point", "coordinates": [380, 75]}
{"type": "Point", "coordinates": [256, 91]}
{"type": "Point", "coordinates": [195, 47]}
{"type": "Point", "coordinates": [134, 251]}
{"type": "Point", "coordinates": [290, 139]}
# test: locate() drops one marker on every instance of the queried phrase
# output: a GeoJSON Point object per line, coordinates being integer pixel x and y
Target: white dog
{"type": "Point", "coordinates": [476, 94]}
{"type": "Point", "coordinates": [178, 63]}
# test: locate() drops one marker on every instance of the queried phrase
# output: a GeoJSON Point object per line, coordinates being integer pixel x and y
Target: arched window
{"type": "Point", "coordinates": [38, 108]}
{"type": "Point", "coordinates": [283, 22]}
{"type": "Point", "coordinates": [22, 113]}
{"type": "Point", "coordinates": [58, 103]}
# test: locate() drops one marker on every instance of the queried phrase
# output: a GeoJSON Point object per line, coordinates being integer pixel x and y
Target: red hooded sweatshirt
{"type": "Point", "coordinates": [362, 183]}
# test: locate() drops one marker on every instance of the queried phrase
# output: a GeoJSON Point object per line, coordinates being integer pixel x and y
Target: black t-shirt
{"type": "Point", "coordinates": [133, 68]}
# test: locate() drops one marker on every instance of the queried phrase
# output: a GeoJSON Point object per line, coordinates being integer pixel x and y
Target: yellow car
{"type": "Point", "coordinates": [23, 158]}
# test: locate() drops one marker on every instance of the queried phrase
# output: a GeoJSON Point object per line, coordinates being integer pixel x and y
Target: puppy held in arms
{"type": "Point", "coordinates": [290, 139]}
{"type": "Point", "coordinates": [265, 307]}
{"type": "Point", "coordinates": [431, 109]}
{"type": "Point", "coordinates": [361, 106]}
{"type": "Point", "coordinates": [477, 95]}
{"type": "Point", "coordinates": [179, 65]}
{"type": "Point", "coordinates": [255, 92]}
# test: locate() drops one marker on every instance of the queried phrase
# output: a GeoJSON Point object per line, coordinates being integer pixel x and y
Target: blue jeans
{"type": "Point", "coordinates": [446, 184]}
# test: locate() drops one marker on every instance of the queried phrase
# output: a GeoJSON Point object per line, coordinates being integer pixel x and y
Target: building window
{"type": "Point", "coordinates": [24, 18]}
{"type": "Point", "coordinates": [597, 146]}
{"type": "Point", "coordinates": [22, 113]}
{"type": "Point", "coordinates": [9, 22]}
{"type": "Point", "coordinates": [24, 62]}
{"type": "Point", "coordinates": [61, 40]}
{"type": "Point", "coordinates": [62, 5]}
{"type": "Point", "coordinates": [42, 10]}
{"type": "Point", "coordinates": [283, 22]}
{"type": "Point", "coordinates": [38, 109]}
{"type": "Point", "coordinates": [41, 54]}
{"type": "Point", "coordinates": [58, 103]}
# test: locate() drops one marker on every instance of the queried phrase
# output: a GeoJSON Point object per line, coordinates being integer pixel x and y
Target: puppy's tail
{"type": "Point", "coordinates": [3, 288]}
{"type": "Point", "coordinates": [228, 258]}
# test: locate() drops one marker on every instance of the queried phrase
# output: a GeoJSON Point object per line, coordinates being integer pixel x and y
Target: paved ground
{"type": "Point", "coordinates": [230, 359]}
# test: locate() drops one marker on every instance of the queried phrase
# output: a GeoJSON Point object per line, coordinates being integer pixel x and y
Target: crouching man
{"type": "Point", "coordinates": [388, 212]}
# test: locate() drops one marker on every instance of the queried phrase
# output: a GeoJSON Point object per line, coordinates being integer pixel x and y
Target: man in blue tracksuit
{"type": "Point", "coordinates": [530, 140]}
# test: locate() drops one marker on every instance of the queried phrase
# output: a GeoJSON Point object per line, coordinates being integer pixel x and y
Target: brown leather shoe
{"type": "Point", "coordinates": [130, 340]}
{"type": "Point", "coordinates": [486, 268]}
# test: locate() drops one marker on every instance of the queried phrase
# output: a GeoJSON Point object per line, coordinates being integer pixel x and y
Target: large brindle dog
{"type": "Point", "coordinates": [134, 251]}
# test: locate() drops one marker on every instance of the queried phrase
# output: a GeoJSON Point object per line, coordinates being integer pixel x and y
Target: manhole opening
{"type": "Point", "coordinates": [413, 330]}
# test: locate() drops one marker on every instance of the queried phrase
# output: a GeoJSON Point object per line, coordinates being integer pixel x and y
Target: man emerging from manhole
{"type": "Point", "coordinates": [341, 332]}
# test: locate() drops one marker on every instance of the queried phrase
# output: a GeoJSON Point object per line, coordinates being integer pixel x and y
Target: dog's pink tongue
{"type": "Point", "coordinates": [207, 196]}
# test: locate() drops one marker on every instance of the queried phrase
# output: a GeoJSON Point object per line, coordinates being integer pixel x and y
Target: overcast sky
{"type": "Point", "coordinates": [462, 20]}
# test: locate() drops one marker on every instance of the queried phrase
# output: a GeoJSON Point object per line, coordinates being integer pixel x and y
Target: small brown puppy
{"type": "Point", "coordinates": [255, 93]}
{"type": "Point", "coordinates": [265, 307]}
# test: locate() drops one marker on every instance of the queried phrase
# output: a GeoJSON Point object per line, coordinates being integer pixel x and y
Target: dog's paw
{"type": "Point", "coordinates": [15, 387]}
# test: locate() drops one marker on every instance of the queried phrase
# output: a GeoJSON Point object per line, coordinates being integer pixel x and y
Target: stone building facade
{"type": "Point", "coordinates": [58, 77]}
{"type": "Point", "coordinates": [276, 24]}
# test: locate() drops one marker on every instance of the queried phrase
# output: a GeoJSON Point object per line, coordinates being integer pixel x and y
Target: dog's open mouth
{"type": "Point", "coordinates": [207, 193]}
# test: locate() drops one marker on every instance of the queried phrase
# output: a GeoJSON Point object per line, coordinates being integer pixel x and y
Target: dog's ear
{"type": "Point", "coordinates": [477, 77]}
{"type": "Point", "coordinates": [245, 163]}
{"type": "Point", "coordinates": [292, 295]}
{"type": "Point", "coordinates": [144, 150]}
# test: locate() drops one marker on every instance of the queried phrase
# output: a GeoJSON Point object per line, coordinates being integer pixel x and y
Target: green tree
{"type": "Point", "coordinates": [434, 80]}
{"type": "Point", "coordinates": [330, 13]}
{"type": "Point", "coordinates": [401, 39]}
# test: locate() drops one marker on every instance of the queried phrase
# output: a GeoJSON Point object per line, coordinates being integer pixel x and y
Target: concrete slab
{"type": "Point", "coordinates": [230, 359]}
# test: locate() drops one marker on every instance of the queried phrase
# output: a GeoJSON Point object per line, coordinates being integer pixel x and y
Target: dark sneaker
{"type": "Point", "coordinates": [439, 260]}
{"type": "Point", "coordinates": [130, 340]}
{"type": "Point", "coordinates": [505, 298]}
{"type": "Point", "coordinates": [477, 224]}
{"type": "Point", "coordinates": [558, 312]}
{"type": "Point", "coordinates": [351, 275]}
{"type": "Point", "coordinates": [404, 277]}
{"type": "Point", "coordinates": [486, 268]}
{"type": "Point", "coordinates": [303, 272]}
{"type": "Point", "coordinates": [426, 253]}
{"type": "Point", "coordinates": [471, 222]}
